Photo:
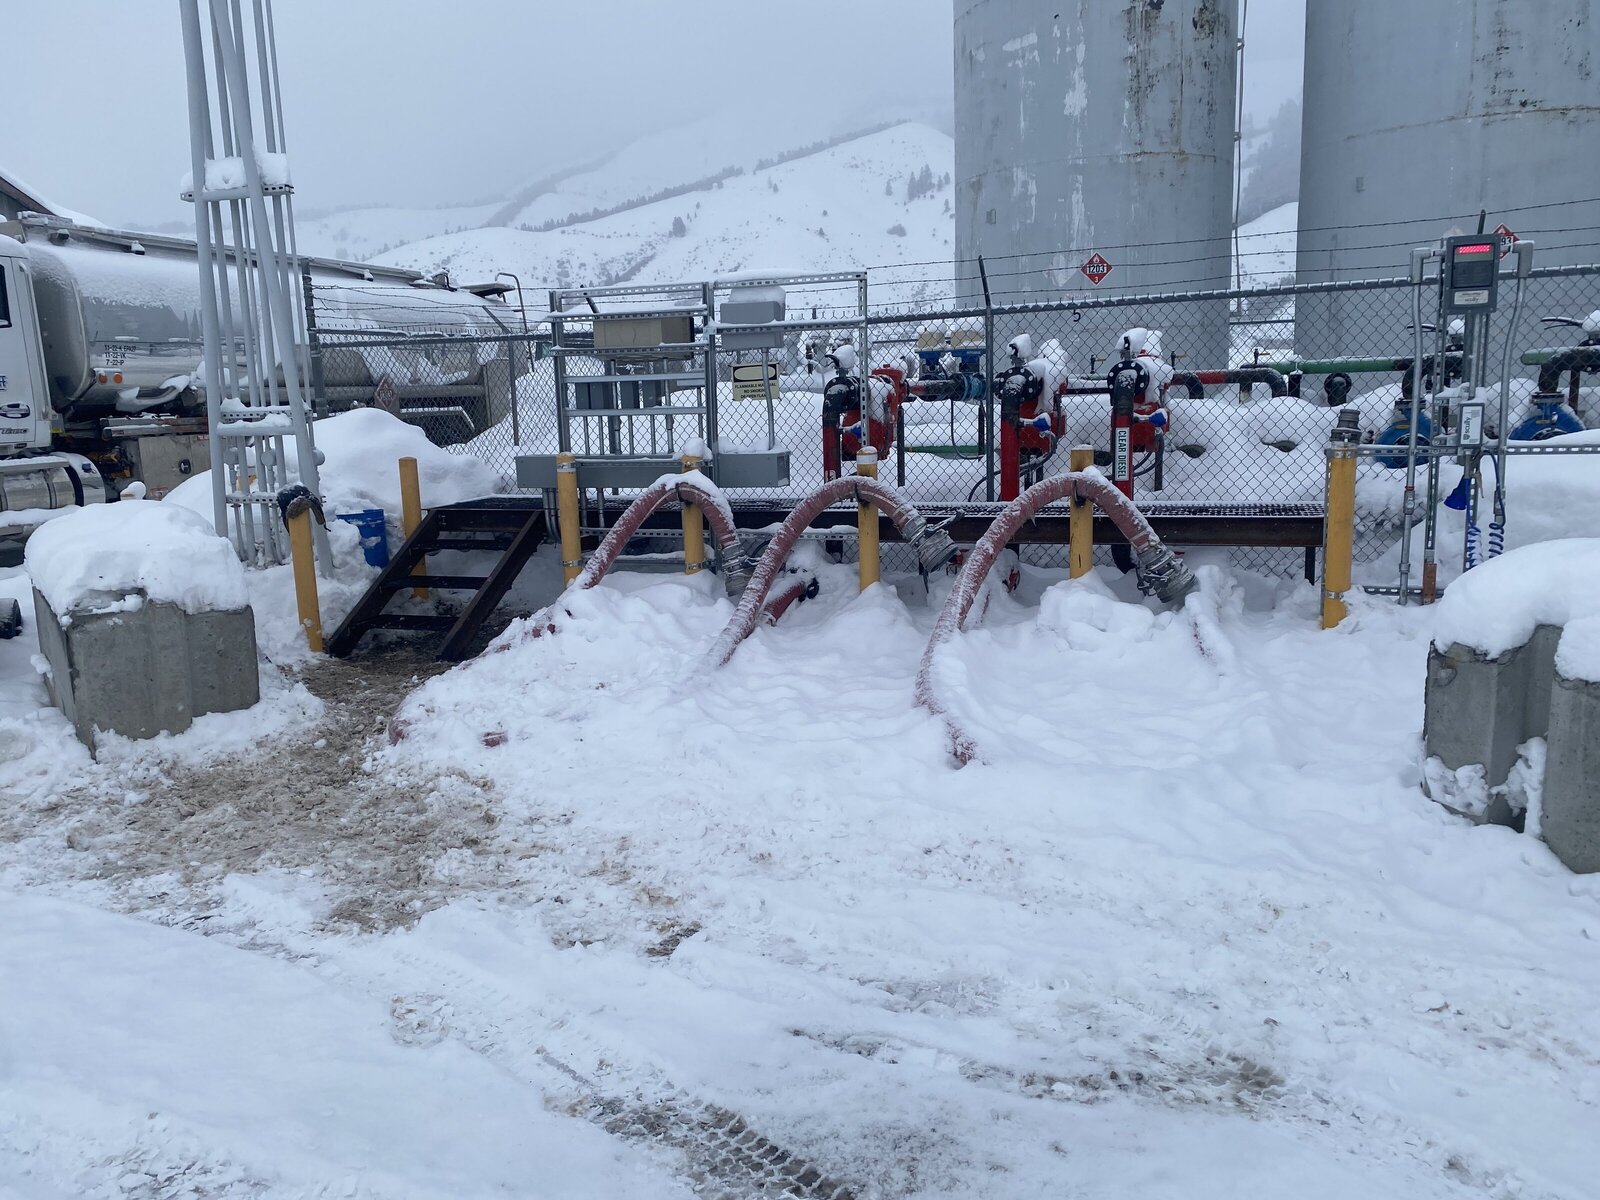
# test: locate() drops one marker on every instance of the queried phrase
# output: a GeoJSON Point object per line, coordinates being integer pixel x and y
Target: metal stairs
{"type": "Point", "coordinates": [513, 528]}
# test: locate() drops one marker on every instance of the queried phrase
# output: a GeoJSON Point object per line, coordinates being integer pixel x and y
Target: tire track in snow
{"type": "Point", "coordinates": [1194, 1067]}
{"type": "Point", "coordinates": [724, 1157]}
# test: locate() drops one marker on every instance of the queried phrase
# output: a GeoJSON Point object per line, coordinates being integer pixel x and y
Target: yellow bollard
{"type": "Point", "coordinates": [694, 526]}
{"type": "Point", "coordinates": [1338, 530]}
{"type": "Point", "coordinates": [304, 558]}
{"type": "Point", "coordinates": [867, 523]}
{"type": "Point", "coordinates": [567, 516]}
{"type": "Point", "coordinates": [411, 514]}
{"type": "Point", "coordinates": [1080, 522]}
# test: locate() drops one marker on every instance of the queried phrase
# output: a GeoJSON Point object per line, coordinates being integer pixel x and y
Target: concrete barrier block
{"type": "Point", "coordinates": [1477, 708]}
{"type": "Point", "coordinates": [147, 669]}
{"type": "Point", "coordinates": [1477, 711]}
{"type": "Point", "coordinates": [1570, 808]}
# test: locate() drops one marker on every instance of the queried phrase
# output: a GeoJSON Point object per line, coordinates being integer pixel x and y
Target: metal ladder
{"type": "Point", "coordinates": [256, 357]}
{"type": "Point", "coordinates": [513, 528]}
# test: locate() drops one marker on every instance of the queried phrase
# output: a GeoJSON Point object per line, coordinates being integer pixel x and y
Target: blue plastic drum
{"type": "Point", "coordinates": [374, 535]}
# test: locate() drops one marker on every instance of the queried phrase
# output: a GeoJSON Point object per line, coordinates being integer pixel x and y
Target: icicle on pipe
{"type": "Point", "coordinates": [1161, 573]}
{"type": "Point", "coordinates": [933, 548]}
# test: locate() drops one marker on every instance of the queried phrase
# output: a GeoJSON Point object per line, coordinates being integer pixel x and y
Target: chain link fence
{"type": "Point", "coordinates": [1251, 378]}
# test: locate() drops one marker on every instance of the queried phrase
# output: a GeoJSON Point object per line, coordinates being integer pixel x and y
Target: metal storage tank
{"type": "Point", "coordinates": [1417, 115]}
{"type": "Point", "coordinates": [1099, 125]}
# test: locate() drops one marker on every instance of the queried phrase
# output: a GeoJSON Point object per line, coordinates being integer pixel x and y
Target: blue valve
{"type": "Point", "coordinates": [1398, 433]}
{"type": "Point", "coordinates": [1551, 418]}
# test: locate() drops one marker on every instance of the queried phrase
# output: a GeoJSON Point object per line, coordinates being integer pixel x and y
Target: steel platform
{"type": "Point", "coordinates": [1179, 524]}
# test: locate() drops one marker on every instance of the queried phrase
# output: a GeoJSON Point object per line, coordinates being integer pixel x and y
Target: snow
{"type": "Point", "coordinates": [227, 173]}
{"type": "Point", "coordinates": [1190, 929]}
{"type": "Point", "coordinates": [274, 169]}
{"type": "Point", "coordinates": [1578, 651]}
{"type": "Point", "coordinates": [768, 216]}
{"type": "Point", "coordinates": [1267, 246]}
{"type": "Point", "coordinates": [361, 452]}
{"type": "Point", "coordinates": [135, 1042]}
{"type": "Point", "coordinates": [360, 235]}
{"type": "Point", "coordinates": [51, 207]}
{"type": "Point", "coordinates": [1496, 606]}
{"type": "Point", "coordinates": [108, 556]}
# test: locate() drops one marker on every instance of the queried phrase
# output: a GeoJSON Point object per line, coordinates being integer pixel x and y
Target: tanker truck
{"type": "Point", "coordinates": [100, 352]}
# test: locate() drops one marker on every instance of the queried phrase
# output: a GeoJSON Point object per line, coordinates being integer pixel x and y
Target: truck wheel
{"type": "Point", "coordinates": [10, 619]}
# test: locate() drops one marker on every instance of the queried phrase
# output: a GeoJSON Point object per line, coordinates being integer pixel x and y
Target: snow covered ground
{"type": "Point", "coordinates": [585, 917]}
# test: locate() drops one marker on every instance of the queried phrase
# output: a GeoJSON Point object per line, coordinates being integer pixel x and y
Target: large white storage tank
{"type": "Point", "coordinates": [1420, 113]}
{"type": "Point", "coordinates": [1099, 125]}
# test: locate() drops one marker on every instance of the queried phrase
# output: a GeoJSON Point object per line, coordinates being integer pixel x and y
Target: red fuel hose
{"type": "Point", "coordinates": [691, 488]}
{"type": "Point", "coordinates": [1167, 577]}
{"type": "Point", "coordinates": [933, 548]}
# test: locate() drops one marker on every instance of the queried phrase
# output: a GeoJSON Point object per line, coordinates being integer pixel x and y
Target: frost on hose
{"type": "Point", "coordinates": [1161, 573]}
{"type": "Point", "coordinates": [690, 487]}
{"type": "Point", "coordinates": [933, 547]}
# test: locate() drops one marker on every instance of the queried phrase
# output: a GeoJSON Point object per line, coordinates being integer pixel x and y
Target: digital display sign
{"type": "Point", "coordinates": [1471, 275]}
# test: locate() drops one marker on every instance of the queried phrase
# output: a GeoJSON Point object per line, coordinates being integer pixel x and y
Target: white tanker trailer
{"type": "Point", "coordinates": [100, 349]}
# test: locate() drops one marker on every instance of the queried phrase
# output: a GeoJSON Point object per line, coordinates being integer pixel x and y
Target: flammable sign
{"type": "Point", "coordinates": [385, 397]}
{"type": "Point", "coordinates": [1096, 268]}
{"type": "Point", "coordinates": [1508, 239]}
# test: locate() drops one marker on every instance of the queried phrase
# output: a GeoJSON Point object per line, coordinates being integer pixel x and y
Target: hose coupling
{"type": "Point", "coordinates": [1164, 575]}
{"type": "Point", "coordinates": [934, 547]}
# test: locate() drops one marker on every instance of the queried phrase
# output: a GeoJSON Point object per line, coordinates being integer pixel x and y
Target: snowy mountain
{"type": "Point", "coordinates": [361, 234]}
{"type": "Point", "coordinates": [883, 197]}
{"type": "Point", "coordinates": [674, 207]}
{"type": "Point", "coordinates": [1266, 246]}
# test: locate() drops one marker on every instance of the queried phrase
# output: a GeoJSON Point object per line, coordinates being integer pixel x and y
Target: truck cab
{"type": "Point", "coordinates": [34, 483]}
{"type": "Point", "coordinates": [25, 413]}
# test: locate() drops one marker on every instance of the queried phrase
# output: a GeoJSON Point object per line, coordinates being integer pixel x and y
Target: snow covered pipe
{"type": "Point", "coordinates": [1576, 359]}
{"type": "Point", "coordinates": [1190, 381]}
{"type": "Point", "coordinates": [1161, 573]}
{"type": "Point", "coordinates": [1194, 380]}
{"type": "Point", "coordinates": [934, 547]}
{"type": "Point", "coordinates": [690, 488]}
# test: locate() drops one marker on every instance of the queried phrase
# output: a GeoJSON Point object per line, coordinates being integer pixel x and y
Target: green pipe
{"type": "Point", "coordinates": [1538, 358]}
{"type": "Point", "coordinates": [947, 451]}
{"type": "Point", "coordinates": [1333, 366]}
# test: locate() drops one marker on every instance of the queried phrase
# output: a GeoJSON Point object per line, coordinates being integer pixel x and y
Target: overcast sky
{"type": "Point", "coordinates": [430, 102]}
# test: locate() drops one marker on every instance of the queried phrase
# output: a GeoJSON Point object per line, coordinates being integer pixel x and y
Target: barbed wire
{"type": "Point", "coordinates": [1553, 204]}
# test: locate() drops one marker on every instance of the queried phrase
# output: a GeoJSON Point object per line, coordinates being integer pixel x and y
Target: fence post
{"type": "Point", "coordinates": [987, 409]}
{"type": "Point", "coordinates": [694, 531]}
{"type": "Point", "coordinates": [567, 516]}
{"type": "Point", "coordinates": [868, 565]}
{"type": "Point", "coordinates": [1338, 529]}
{"type": "Point", "coordinates": [1080, 522]}
{"type": "Point", "coordinates": [411, 514]}
{"type": "Point", "coordinates": [511, 370]}
{"type": "Point", "coordinates": [319, 393]}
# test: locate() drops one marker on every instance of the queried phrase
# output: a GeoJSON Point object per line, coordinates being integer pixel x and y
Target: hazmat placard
{"type": "Point", "coordinates": [1096, 268]}
{"type": "Point", "coordinates": [755, 381]}
{"type": "Point", "coordinates": [1508, 238]}
{"type": "Point", "coordinates": [385, 397]}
